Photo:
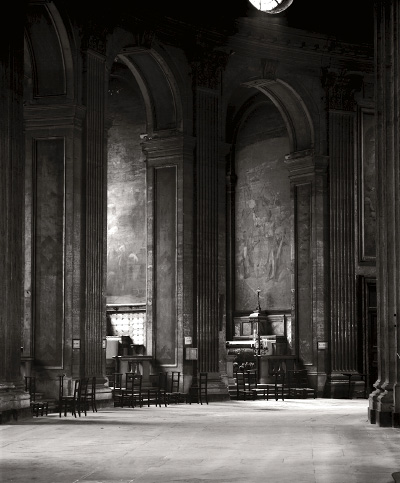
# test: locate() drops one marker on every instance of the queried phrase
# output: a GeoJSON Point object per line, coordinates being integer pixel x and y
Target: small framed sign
{"type": "Point", "coordinates": [322, 345]}
{"type": "Point", "coordinates": [188, 340]}
{"type": "Point", "coordinates": [76, 343]}
{"type": "Point", "coordinates": [191, 353]}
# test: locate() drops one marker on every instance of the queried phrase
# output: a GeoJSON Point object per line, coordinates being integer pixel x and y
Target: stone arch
{"type": "Point", "coordinates": [291, 106]}
{"type": "Point", "coordinates": [49, 66]}
{"type": "Point", "coordinates": [158, 88]}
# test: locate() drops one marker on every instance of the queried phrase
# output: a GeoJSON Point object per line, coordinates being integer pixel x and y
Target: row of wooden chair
{"type": "Point", "coordinates": [82, 398]}
{"type": "Point", "coordinates": [287, 384]}
{"type": "Point", "coordinates": [132, 392]}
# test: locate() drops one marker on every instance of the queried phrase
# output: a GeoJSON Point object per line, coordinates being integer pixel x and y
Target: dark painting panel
{"type": "Point", "coordinates": [48, 252]}
{"type": "Point", "coordinates": [165, 265]}
{"type": "Point", "coordinates": [368, 188]}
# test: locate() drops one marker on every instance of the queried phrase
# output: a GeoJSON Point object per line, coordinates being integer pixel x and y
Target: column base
{"type": "Point", "coordinates": [396, 420]}
{"type": "Point", "coordinates": [337, 387]}
{"type": "Point", "coordinates": [14, 403]}
{"type": "Point", "coordinates": [384, 419]}
{"type": "Point", "coordinates": [372, 415]}
{"type": "Point", "coordinates": [217, 390]}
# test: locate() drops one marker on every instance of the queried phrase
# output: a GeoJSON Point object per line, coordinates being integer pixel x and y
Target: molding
{"type": "Point", "coordinates": [53, 116]}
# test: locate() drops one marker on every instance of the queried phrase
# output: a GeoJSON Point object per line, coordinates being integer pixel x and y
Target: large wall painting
{"type": "Point", "coordinates": [126, 198]}
{"type": "Point", "coordinates": [367, 189]}
{"type": "Point", "coordinates": [263, 216]}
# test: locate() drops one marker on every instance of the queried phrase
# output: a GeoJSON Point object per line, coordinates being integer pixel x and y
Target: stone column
{"type": "Point", "coordinates": [12, 395]}
{"type": "Point", "coordinates": [308, 179]}
{"type": "Point", "coordinates": [95, 195]}
{"type": "Point", "coordinates": [340, 95]}
{"type": "Point", "coordinates": [384, 402]}
{"type": "Point", "coordinates": [209, 187]}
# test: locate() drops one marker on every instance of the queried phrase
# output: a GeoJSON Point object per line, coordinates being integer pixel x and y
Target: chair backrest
{"type": "Point", "coordinates": [175, 379]}
{"type": "Point", "coordinates": [83, 387]}
{"type": "Point", "coordinates": [298, 378]}
{"type": "Point", "coordinates": [117, 380]}
{"type": "Point", "coordinates": [203, 380]}
{"type": "Point", "coordinates": [279, 377]}
{"type": "Point", "coordinates": [163, 380]}
{"type": "Point", "coordinates": [61, 386]}
{"type": "Point", "coordinates": [77, 389]}
{"type": "Point", "coordinates": [251, 379]}
{"type": "Point", "coordinates": [133, 382]}
{"type": "Point", "coordinates": [93, 386]}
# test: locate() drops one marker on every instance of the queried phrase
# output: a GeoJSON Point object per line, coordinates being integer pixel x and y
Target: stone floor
{"type": "Point", "coordinates": [312, 441]}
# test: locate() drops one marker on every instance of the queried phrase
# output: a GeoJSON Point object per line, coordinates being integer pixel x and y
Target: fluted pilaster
{"type": "Point", "coordinates": [340, 94]}
{"type": "Point", "coordinates": [95, 217]}
{"type": "Point", "coordinates": [384, 402]}
{"type": "Point", "coordinates": [12, 396]}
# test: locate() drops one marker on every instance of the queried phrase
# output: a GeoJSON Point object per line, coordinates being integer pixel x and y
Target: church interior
{"type": "Point", "coordinates": [200, 187]}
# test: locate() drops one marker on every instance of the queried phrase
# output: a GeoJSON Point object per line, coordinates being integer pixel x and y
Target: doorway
{"type": "Point", "coordinates": [368, 315]}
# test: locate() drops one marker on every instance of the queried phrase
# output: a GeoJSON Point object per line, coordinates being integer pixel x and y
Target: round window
{"type": "Point", "coordinates": [271, 6]}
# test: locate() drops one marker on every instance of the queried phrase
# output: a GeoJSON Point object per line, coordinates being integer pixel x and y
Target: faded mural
{"type": "Point", "coordinates": [126, 197]}
{"type": "Point", "coordinates": [263, 213]}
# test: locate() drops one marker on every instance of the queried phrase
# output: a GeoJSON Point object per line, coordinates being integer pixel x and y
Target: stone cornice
{"type": "Point", "coordinates": [262, 39]}
{"type": "Point", "coordinates": [306, 162]}
{"type": "Point", "coordinates": [167, 147]}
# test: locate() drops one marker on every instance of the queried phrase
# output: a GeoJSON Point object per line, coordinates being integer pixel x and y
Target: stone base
{"type": "Point", "coordinates": [396, 420]}
{"type": "Point", "coordinates": [217, 390]}
{"type": "Point", "coordinates": [384, 419]}
{"type": "Point", "coordinates": [14, 415]}
{"type": "Point", "coordinates": [372, 415]}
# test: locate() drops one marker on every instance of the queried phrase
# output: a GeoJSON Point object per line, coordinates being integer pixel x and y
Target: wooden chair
{"type": "Point", "coordinates": [132, 393]}
{"type": "Point", "coordinates": [157, 393]}
{"type": "Point", "coordinates": [278, 389]}
{"type": "Point", "coordinates": [91, 395]}
{"type": "Point", "coordinates": [38, 406]}
{"type": "Point", "coordinates": [76, 402]}
{"type": "Point", "coordinates": [199, 390]}
{"type": "Point", "coordinates": [174, 394]}
{"type": "Point", "coordinates": [298, 384]}
{"type": "Point", "coordinates": [246, 383]}
{"type": "Point", "coordinates": [117, 389]}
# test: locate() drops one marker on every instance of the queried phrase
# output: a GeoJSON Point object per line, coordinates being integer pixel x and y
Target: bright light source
{"type": "Point", "coordinates": [271, 6]}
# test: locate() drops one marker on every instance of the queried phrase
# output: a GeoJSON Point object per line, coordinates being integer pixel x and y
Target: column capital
{"type": "Point", "coordinates": [207, 64]}
{"type": "Point", "coordinates": [341, 87]}
{"type": "Point", "coordinates": [306, 162]}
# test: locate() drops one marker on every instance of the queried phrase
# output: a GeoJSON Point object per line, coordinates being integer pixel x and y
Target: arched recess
{"type": "Point", "coordinates": [49, 67]}
{"type": "Point", "coordinates": [296, 174]}
{"type": "Point", "coordinates": [293, 110]}
{"type": "Point", "coordinates": [158, 88]}
{"type": "Point", "coordinates": [145, 175]}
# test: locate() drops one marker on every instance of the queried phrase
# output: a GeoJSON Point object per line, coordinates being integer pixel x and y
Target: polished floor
{"type": "Point", "coordinates": [311, 441]}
